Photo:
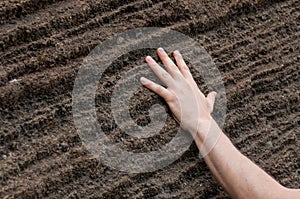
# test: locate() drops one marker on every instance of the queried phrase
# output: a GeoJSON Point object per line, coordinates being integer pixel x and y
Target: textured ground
{"type": "Point", "coordinates": [255, 45]}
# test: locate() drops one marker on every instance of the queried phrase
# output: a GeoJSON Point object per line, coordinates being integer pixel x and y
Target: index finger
{"type": "Point", "coordinates": [163, 75]}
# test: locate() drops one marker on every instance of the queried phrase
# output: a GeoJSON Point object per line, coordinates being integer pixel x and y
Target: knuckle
{"type": "Point", "coordinates": [171, 98]}
{"type": "Point", "coordinates": [178, 76]}
{"type": "Point", "coordinates": [159, 89]}
{"type": "Point", "coordinates": [164, 56]}
{"type": "Point", "coordinates": [185, 67]}
{"type": "Point", "coordinates": [165, 75]}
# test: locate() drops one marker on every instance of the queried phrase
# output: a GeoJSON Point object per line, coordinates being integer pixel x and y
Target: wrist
{"type": "Point", "coordinates": [200, 126]}
{"type": "Point", "coordinates": [207, 135]}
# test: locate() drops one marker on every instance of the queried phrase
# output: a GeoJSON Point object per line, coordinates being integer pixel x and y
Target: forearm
{"type": "Point", "coordinates": [239, 176]}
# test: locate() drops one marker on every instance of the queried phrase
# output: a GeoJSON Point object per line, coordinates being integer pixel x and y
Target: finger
{"type": "Point", "coordinates": [168, 63]}
{"type": "Point", "coordinates": [156, 88]}
{"type": "Point", "coordinates": [159, 71]}
{"type": "Point", "coordinates": [183, 68]}
{"type": "Point", "coordinates": [211, 97]}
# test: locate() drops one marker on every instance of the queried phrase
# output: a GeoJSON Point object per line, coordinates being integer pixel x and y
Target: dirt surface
{"type": "Point", "coordinates": [255, 45]}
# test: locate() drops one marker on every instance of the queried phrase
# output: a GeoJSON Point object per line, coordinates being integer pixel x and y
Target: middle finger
{"type": "Point", "coordinates": [168, 63]}
{"type": "Point", "coordinates": [159, 71]}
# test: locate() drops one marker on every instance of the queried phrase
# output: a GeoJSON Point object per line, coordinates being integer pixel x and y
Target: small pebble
{"type": "Point", "coordinates": [65, 145]}
{"type": "Point", "coordinates": [264, 18]}
{"type": "Point", "coordinates": [120, 40]}
{"type": "Point", "coordinates": [269, 144]}
{"type": "Point", "coordinates": [14, 80]}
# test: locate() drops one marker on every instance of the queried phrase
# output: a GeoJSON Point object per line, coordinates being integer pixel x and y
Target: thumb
{"type": "Point", "coordinates": [211, 97]}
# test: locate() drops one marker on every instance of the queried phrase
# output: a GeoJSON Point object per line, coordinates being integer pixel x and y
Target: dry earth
{"type": "Point", "coordinates": [255, 45]}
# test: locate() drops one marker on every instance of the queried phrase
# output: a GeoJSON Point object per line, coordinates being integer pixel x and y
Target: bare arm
{"type": "Point", "coordinates": [239, 176]}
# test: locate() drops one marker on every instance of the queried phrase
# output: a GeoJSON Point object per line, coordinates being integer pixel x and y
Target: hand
{"type": "Point", "coordinates": [187, 103]}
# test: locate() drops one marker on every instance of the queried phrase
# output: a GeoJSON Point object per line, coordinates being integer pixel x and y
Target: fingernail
{"type": "Point", "coordinates": [177, 52]}
{"type": "Point", "coordinates": [149, 59]}
{"type": "Point", "coordinates": [161, 50]}
{"type": "Point", "coordinates": [144, 80]}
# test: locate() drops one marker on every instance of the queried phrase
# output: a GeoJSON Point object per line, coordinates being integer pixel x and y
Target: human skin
{"type": "Point", "coordinates": [237, 174]}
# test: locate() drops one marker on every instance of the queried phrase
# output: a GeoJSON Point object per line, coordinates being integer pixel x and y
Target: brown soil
{"type": "Point", "coordinates": [255, 45]}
